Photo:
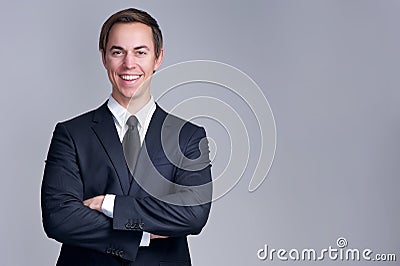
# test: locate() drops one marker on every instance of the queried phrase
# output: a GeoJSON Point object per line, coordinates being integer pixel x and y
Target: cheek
{"type": "Point", "coordinates": [112, 75]}
{"type": "Point", "coordinates": [112, 65]}
{"type": "Point", "coordinates": [112, 68]}
{"type": "Point", "coordinates": [148, 66]}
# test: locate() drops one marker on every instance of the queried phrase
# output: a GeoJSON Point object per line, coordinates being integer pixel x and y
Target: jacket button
{"type": "Point", "coordinates": [120, 253]}
{"type": "Point", "coordinates": [108, 251]}
{"type": "Point", "coordinates": [137, 226]}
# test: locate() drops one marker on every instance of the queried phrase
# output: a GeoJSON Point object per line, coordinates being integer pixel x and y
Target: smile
{"type": "Point", "coordinates": [130, 77]}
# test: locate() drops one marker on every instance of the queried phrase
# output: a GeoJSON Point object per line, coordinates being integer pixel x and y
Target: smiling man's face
{"type": "Point", "coordinates": [130, 61]}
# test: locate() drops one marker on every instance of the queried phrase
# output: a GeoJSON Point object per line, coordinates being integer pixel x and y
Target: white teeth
{"type": "Point", "coordinates": [129, 77]}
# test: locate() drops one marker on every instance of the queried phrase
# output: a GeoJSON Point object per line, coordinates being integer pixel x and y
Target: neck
{"type": "Point", "coordinates": [135, 105]}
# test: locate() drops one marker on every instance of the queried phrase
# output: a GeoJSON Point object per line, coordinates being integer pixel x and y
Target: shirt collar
{"type": "Point", "coordinates": [143, 114]}
{"type": "Point", "coordinates": [121, 114]}
{"type": "Point", "coordinates": [118, 111]}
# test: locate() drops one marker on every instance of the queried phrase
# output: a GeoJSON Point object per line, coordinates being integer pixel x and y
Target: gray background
{"type": "Point", "coordinates": [330, 71]}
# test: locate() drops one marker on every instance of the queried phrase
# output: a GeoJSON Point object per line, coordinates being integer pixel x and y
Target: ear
{"type": "Point", "coordinates": [159, 59]}
{"type": "Point", "coordinates": [103, 58]}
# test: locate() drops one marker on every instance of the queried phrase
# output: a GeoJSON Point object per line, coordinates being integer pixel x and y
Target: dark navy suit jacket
{"type": "Point", "coordinates": [86, 159]}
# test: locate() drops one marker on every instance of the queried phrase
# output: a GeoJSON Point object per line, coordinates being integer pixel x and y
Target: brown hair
{"type": "Point", "coordinates": [131, 15]}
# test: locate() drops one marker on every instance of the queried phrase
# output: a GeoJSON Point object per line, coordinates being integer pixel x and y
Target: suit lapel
{"type": "Point", "coordinates": [152, 148]}
{"type": "Point", "coordinates": [153, 134]}
{"type": "Point", "coordinates": [104, 127]}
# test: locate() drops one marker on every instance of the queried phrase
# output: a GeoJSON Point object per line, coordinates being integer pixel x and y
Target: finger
{"type": "Point", "coordinates": [152, 236]}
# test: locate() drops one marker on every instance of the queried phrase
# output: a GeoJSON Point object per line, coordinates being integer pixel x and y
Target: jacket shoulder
{"type": "Point", "coordinates": [179, 122]}
{"type": "Point", "coordinates": [86, 118]}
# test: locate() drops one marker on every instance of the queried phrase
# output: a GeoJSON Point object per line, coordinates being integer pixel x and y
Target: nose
{"type": "Point", "coordinates": [129, 61]}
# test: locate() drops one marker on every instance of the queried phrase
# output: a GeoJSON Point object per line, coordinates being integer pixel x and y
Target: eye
{"type": "Point", "coordinates": [141, 52]}
{"type": "Point", "coordinates": [116, 52]}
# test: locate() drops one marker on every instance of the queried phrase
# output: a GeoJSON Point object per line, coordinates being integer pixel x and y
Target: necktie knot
{"type": "Point", "coordinates": [132, 121]}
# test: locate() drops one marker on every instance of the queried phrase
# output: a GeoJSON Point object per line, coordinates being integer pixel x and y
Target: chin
{"type": "Point", "coordinates": [129, 93]}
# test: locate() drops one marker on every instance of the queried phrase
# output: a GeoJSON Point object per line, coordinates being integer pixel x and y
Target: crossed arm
{"type": "Point", "coordinates": [70, 218]}
{"type": "Point", "coordinates": [95, 203]}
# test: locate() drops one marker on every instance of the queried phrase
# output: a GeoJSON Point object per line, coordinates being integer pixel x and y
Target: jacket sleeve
{"type": "Point", "coordinates": [185, 209]}
{"type": "Point", "coordinates": [65, 218]}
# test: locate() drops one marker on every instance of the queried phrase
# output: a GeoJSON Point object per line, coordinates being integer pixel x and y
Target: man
{"type": "Point", "coordinates": [105, 207]}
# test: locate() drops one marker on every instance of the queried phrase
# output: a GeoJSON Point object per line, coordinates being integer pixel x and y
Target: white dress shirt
{"type": "Point", "coordinates": [120, 116]}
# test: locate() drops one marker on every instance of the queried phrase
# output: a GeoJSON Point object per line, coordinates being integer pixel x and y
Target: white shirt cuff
{"type": "Point", "coordinates": [108, 205]}
{"type": "Point", "coordinates": [108, 209]}
{"type": "Point", "coordinates": [145, 242]}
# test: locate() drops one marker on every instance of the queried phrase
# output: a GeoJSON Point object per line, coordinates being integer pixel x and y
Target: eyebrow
{"type": "Point", "coordinates": [115, 47]}
{"type": "Point", "coordinates": [142, 47]}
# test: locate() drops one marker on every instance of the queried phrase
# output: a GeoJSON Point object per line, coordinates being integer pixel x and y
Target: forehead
{"type": "Point", "coordinates": [129, 35]}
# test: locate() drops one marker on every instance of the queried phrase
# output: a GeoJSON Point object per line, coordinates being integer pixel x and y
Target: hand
{"type": "Point", "coordinates": [152, 236]}
{"type": "Point", "coordinates": [95, 203]}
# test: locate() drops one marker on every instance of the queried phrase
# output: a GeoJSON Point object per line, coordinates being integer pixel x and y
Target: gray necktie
{"type": "Point", "coordinates": [131, 143]}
